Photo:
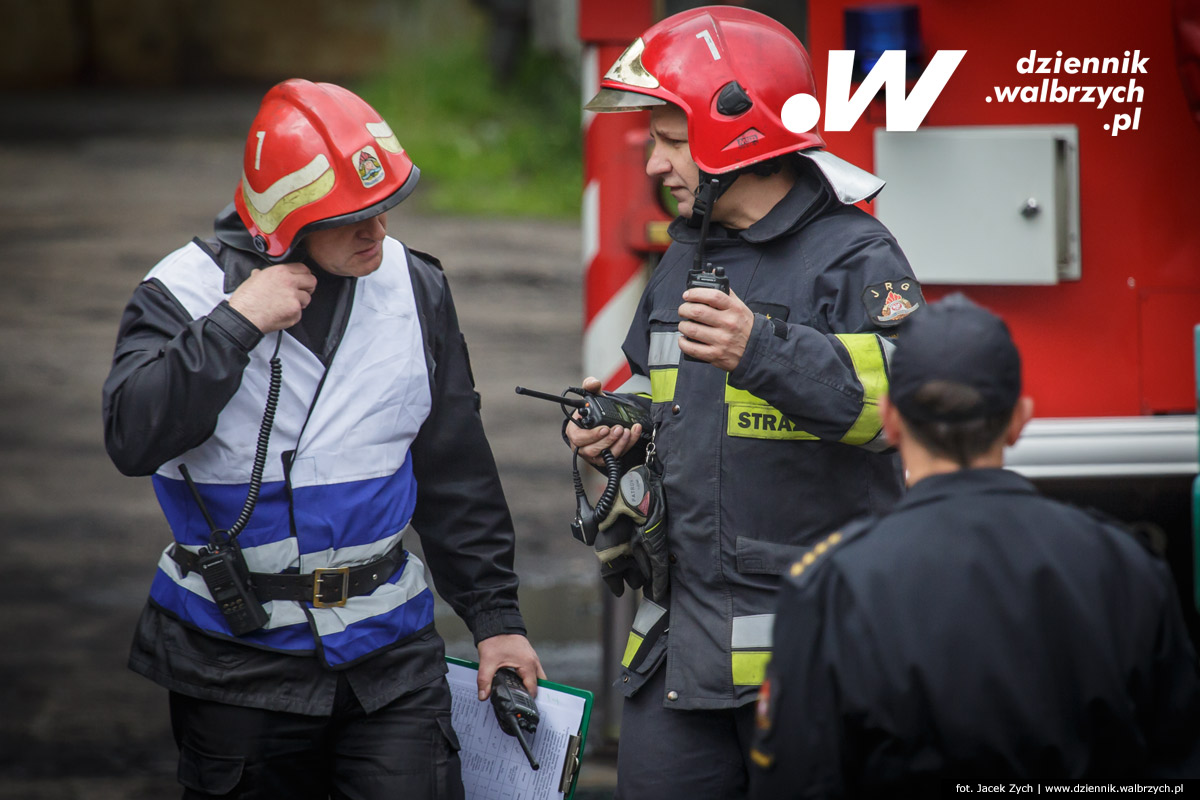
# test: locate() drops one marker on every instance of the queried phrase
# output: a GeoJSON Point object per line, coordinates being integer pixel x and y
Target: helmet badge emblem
{"type": "Point", "coordinates": [370, 171]}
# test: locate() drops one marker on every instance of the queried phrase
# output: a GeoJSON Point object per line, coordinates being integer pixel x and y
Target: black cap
{"type": "Point", "coordinates": [955, 341]}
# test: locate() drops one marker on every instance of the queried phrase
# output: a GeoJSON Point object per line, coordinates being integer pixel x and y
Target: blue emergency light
{"type": "Point", "coordinates": [870, 30]}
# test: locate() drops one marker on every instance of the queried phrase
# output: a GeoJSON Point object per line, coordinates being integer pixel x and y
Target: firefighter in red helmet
{"type": "Point", "coordinates": [298, 388]}
{"type": "Point", "coordinates": [761, 344]}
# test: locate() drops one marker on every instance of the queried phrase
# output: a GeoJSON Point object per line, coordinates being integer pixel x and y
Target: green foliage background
{"type": "Point", "coordinates": [484, 146]}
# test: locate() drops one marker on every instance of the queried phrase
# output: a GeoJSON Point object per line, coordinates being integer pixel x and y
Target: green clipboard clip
{"type": "Point", "coordinates": [573, 760]}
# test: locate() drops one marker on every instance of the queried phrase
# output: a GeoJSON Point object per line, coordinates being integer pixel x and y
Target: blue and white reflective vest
{"type": "Point", "coordinates": [347, 492]}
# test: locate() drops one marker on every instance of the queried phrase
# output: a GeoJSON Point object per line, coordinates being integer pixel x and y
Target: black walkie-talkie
{"type": "Point", "coordinates": [227, 577]}
{"type": "Point", "coordinates": [515, 710]}
{"type": "Point", "coordinates": [223, 568]}
{"type": "Point", "coordinates": [221, 562]}
{"type": "Point", "coordinates": [598, 408]}
{"type": "Point", "coordinates": [703, 275]}
{"type": "Point", "coordinates": [709, 278]}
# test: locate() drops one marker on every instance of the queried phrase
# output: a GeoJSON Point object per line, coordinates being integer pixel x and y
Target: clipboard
{"type": "Point", "coordinates": [493, 764]}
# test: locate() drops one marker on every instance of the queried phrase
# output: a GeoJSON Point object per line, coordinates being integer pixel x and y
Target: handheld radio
{"type": "Point", "coordinates": [596, 410]}
{"type": "Point", "coordinates": [221, 562]}
{"type": "Point", "coordinates": [223, 568]}
{"type": "Point", "coordinates": [515, 709]}
{"type": "Point", "coordinates": [703, 275]}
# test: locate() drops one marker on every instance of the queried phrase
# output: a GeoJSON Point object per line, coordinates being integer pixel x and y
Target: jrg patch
{"type": "Point", "coordinates": [890, 302]}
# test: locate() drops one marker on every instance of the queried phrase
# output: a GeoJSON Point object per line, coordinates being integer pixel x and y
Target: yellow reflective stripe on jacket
{"type": "Point", "coordinates": [663, 361]}
{"type": "Point", "coordinates": [649, 614]}
{"type": "Point", "coordinates": [749, 667]}
{"type": "Point", "coordinates": [750, 648]}
{"type": "Point", "coordinates": [762, 422]}
{"type": "Point", "coordinates": [662, 384]}
{"type": "Point", "coordinates": [631, 648]}
{"type": "Point", "coordinates": [752, 417]}
{"type": "Point", "coordinates": [867, 358]}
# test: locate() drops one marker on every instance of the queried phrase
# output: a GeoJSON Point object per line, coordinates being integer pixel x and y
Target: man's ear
{"type": "Point", "coordinates": [890, 418]}
{"type": "Point", "coordinates": [1022, 413]}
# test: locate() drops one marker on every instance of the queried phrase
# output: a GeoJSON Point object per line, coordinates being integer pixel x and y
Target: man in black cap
{"type": "Point", "coordinates": [978, 632]}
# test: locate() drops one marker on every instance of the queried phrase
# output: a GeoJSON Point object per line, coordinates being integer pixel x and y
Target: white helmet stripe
{"type": "Point", "coordinates": [384, 136]}
{"type": "Point", "coordinates": [264, 201]}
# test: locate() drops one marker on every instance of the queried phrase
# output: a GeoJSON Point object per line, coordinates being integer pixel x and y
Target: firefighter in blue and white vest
{"type": "Point", "coordinates": [763, 400]}
{"type": "Point", "coordinates": [337, 687]}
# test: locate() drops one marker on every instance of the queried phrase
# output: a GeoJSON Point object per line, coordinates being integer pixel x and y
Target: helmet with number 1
{"type": "Point", "coordinates": [730, 70]}
{"type": "Point", "coordinates": [318, 156]}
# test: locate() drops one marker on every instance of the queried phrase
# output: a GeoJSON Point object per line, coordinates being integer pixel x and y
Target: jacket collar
{"type": "Point", "coordinates": [965, 482]}
{"type": "Point", "coordinates": [804, 202]}
{"type": "Point", "coordinates": [233, 249]}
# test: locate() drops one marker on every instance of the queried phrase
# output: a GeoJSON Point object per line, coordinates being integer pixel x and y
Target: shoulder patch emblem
{"type": "Point", "coordinates": [888, 303]}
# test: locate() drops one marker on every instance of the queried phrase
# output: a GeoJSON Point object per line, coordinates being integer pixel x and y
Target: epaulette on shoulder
{"type": "Point", "coordinates": [816, 555]}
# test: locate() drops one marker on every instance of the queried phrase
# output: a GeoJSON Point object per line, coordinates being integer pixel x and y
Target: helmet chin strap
{"type": "Point", "coordinates": [711, 187]}
{"type": "Point", "coordinates": [708, 190]}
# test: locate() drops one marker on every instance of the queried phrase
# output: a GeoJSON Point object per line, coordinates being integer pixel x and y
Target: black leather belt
{"type": "Point", "coordinates": [324, 588]}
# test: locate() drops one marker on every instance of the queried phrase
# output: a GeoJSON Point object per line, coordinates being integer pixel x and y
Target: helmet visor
{"type": "Point", "coordinates": [621, 100]}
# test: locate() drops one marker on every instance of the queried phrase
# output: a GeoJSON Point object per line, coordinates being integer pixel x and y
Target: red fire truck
{"type": "Point", "coordinates": [1073, 218]}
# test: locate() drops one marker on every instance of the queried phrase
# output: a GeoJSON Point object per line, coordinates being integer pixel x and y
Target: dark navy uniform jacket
{"type": "Point", "coordinates": [978, 631]}
{"type": "Point", "coordinates": [760, 462]}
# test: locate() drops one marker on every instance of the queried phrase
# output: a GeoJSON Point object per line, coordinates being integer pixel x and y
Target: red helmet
{"type": "Point", "coordinates": [317, 157]}
{"type": "Point", "coordinates": [730, 70]}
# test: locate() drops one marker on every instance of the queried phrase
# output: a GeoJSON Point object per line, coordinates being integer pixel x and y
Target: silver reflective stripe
{"type": "Point", "coordinates": [752, 633]}
{"type": "Point", "coordinates": [877, 445]}
{"type": "Point", "coordinates": [648, 613]}
{"type": "Point", "coordinates": [852, 184]}
{"type": "Point", "coordinates": [664, 349]}
{"type": "Point", "coordinates": [889, 349]}
{"type": "Point", "coordinates": [638, 384]}
{"type": "Point", "coordinates": [351, 556]}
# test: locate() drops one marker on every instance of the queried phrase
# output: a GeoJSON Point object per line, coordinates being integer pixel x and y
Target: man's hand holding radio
{"type": "Point", "coordinates": [273, 298]}
{"type": "Point", "coordinates": [591, 442]}
{"type": "Point", "coordinates": [714, 327]}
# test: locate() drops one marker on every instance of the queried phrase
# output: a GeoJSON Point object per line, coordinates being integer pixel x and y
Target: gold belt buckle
{"type": "Point", "coordinates": [320, 587]}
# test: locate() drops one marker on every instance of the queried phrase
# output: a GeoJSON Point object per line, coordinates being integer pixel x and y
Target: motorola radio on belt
{"type": "Point", "coordinates": [221, 563]}
{"type": "Point", "coordinates": [223, 568]}
{"type": "Point", "coordinates": [515, 710]}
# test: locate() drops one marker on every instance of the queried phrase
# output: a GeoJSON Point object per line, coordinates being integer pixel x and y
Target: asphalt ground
{"type": "Point", "coordinates": [95, 189]}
